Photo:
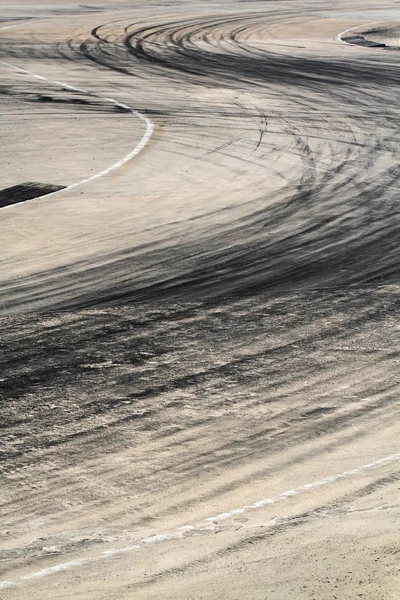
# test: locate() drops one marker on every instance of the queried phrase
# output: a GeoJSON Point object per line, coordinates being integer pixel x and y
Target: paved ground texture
{"type": "Point", "coordinates": [199, 300]}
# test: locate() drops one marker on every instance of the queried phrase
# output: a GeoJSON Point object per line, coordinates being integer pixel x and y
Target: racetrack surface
{"type": "Point", "coordinates": [202, 311]}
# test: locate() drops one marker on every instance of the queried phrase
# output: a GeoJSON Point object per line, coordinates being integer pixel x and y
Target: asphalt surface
{"type": "Point", "coordinates": [199, 296]}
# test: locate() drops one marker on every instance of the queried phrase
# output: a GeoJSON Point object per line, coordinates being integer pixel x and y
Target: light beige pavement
{"type": "Point", "coordinates": [206, 317]}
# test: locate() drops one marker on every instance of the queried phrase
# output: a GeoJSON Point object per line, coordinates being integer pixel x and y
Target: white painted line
{"type": "Point", "coordinates": [9, 27]}
{"type": "Point", "coordinates": [339, 35]}
{"type": "Point", "coordinates": [20, 24]}
{"type": "Point", "coordinates": [7, 584]}
{"type": "Point", "coordinates": [56, 569]}
{"type": "Point", "coordinates": [303, 488]}
{"type": "Point", "coordinates": [143, 142]}
{"type": "Point", "coordinates": [204, 525]}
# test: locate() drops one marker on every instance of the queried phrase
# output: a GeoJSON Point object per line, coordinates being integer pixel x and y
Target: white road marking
{"type": "Point", "coordinates": [56, 569]}
{"type": "Point", "coordinates": [145, 139]}
{"type": "Point", "coordinates": [9, 27]}
{"type": "Point", "coordinates": [6, 584]}
{"type": "Point", "coordinates": [205, 524]}
{"type": "Point", "coordinates": [339, 35]}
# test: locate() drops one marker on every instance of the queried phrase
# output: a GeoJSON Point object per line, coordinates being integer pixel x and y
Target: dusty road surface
{"type": "Point", "coordinates": [200, 300]}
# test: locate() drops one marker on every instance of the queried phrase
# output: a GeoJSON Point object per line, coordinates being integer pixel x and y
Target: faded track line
{"type": "Point", "coordinates": [143, 142]}
{"type": "Point", "coordinates": [206, 524]}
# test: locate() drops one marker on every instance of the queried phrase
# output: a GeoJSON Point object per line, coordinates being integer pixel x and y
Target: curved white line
{"type": "Point", "coordinates": [9, 27]}
{"type": "Point", "coordinates": [339, 35]}
{"type": "Point", "coordinates": [205, 524]}
{"type": "Point", "coordinates": [145, 139]}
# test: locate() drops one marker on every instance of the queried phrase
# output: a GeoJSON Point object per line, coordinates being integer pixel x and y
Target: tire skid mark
{"type": "Point", "coordinates": [208, 47]}
{"type": "Point", "coordinates": [205, 523]}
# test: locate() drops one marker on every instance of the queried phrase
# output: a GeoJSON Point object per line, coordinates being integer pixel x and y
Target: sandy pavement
{"type": "Point", "coordinates": [200, 334]}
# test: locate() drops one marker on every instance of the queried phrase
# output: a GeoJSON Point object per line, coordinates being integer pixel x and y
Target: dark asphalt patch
{"type": "Point", "coordinates": [358, 40]}
{"type": "Point", "coordinates": [26, 191]}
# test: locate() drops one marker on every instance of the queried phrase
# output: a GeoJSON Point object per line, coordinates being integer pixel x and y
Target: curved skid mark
{"type": "Point", "coordinates": [205, 524]}
{"type": "Point", "coordinates": [145, 139]}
